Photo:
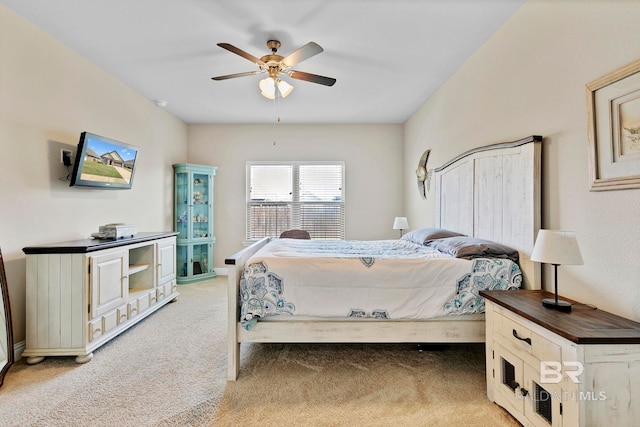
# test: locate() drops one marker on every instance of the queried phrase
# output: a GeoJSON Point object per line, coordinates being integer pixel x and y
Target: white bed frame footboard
{"type": "Point", "coordinates": [491, 192]}
{"type": "Point", "coordinates": [335, 331]}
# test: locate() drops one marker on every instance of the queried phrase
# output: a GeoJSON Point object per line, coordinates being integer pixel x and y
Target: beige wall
{"type": "Point", "coordinates": [373, 171]}
{"type": "Point", "coordinates": [49, 94]}
{"type": "Point", "coordinates": [529, 78]}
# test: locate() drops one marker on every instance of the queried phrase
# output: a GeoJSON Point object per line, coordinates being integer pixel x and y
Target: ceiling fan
{"type": "Point", "coordinates": [276, 65]}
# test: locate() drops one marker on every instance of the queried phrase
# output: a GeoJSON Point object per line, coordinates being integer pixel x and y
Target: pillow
{"type": "Point", "coordinates": [473, 247]}
{"type": "Point", "coordinates": [423, 236]}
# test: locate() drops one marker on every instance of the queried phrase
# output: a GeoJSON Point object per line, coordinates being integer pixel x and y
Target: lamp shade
{"type": "Point", "coordinates": [400, 223]}
{"type": "Point", "coordinates": [556, 247]}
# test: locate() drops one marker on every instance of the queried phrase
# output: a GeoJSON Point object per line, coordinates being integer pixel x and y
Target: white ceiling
{"type": "Point", "coordinates": [388, 56]}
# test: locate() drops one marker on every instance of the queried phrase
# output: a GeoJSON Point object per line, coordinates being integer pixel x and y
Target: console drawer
{"type": "Point", "coordinates": [95, 329]}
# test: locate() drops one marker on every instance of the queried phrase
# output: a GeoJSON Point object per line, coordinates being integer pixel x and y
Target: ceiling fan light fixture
{"type": "Point", "coordinates": [284, 88]}
{"type": "Point", "coordinates": [268, 87]}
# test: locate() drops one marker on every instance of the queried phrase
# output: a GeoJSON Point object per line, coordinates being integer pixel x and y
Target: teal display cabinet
{"type": "Point", "coordinates": [193, 220]}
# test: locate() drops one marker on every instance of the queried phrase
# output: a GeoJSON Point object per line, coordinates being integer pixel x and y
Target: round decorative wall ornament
{"type": "Point", "coordinates": [423, 175]}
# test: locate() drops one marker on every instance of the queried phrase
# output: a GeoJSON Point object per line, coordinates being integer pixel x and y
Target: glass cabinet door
{"type": "Point", "coordinates": [200, 259]}
{"type": "Point", "coordinates": [194, 260]}
{"type": "Point", "coordinates": [181, 196]}
{"type": "Point", "coordinates": [182, 257]}
{"type": "Point", "coordinates": [201, 207]}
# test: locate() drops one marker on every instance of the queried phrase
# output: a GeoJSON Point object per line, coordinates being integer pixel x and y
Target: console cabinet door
{"type": "Point", "coordinates": [109, 281]}
{"type": "Point", "coordinates": [166, 261]}
{"type": "Point", "coordinates": [509, 380]}
{"type": "Point", "coordinates": [543, 401]}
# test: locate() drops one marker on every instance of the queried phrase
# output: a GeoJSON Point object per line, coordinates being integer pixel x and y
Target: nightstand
{"type": "Point", "coordinates": [549, 368]}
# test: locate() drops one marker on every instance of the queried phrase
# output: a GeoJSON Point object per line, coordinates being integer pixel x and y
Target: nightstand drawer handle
{"type": "Point", "coordinates": [527, 340]}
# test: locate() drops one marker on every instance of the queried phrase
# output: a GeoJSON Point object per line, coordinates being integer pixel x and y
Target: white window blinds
{"type": "Point", "coordinates": [295, 195]}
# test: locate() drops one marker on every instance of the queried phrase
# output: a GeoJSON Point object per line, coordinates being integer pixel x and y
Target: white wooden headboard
{"type": "Point", "coordinates": [494, 193]}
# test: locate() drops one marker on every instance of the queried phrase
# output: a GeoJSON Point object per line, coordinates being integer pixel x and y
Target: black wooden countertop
{"type": "Point", "coordinates": [91, 245]}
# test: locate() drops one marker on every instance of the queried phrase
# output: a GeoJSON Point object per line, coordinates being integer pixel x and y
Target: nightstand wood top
{"type": "Point", "coordinates": [583, 325]}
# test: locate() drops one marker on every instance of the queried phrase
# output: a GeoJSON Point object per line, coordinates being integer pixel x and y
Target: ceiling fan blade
{"type": "Point", "coordinates": [233, 76]}
{"type": "Point", "coordinates": [305, 52]}
{"type": "Point", "coordinates": [237, 51]}
{"type": "Point", "coordinates": [313, 78]}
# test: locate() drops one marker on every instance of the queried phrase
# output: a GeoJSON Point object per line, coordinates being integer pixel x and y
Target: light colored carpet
{"type": "Point", "coordinates": [170, 370]}
{"type": "Point", "coordinates": [172, 365]}
{"type": "Point", "coordinates": [355, 384]}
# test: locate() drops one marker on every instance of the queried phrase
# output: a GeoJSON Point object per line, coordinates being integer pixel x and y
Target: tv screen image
{"type": "Point", "coordinates": [103, 163]}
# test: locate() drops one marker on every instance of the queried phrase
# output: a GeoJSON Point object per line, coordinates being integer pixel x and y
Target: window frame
{"type": "Point", "coordinates": [295, 196]}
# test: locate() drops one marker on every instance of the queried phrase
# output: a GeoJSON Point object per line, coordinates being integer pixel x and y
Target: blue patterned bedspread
{"type": "Point", "coordinates": [386, 279]}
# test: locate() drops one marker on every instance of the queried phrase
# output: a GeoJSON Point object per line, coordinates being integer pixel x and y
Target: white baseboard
{"type": "Point", "coordinates": [18, 348]}
{"type": "Point", "coordinates": [221, 271]}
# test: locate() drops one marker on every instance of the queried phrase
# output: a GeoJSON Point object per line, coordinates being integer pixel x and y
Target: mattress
{"type": "Point", "coordinates": [378, 279]}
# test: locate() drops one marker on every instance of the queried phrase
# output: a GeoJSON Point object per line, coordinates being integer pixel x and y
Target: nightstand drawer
{"type": "Point", "coordinates": [522, 336]}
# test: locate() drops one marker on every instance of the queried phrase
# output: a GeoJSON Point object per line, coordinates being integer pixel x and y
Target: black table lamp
{"type": "Point", "coordinates": [557, 248]}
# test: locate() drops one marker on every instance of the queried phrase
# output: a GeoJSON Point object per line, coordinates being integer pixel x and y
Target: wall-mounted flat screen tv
{"type": "Point", "coordinates": [103, 163]}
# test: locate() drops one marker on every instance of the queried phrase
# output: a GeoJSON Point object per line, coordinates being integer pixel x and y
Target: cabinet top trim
{"type": "Point", "coordinates": [190, 167]}
{"type": "Point", "coordinates": [91, 245]}
{"type": "Point", "coordinates": [583, 325]}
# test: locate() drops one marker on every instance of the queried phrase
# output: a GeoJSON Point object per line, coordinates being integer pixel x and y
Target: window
{"type": "Point", "coordinates": [291, 195]}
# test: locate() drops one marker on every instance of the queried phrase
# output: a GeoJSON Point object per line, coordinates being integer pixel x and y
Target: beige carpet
{"type": "Point", "coordinates": [170, 366]}
{"type": "Point", "coordinates": [170, 370]}
{"type": "Point", "coordinates": [367, 385]}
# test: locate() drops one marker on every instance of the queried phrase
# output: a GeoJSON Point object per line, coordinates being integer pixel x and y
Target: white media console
{"type": "Point", "coordinates": [83, 293]}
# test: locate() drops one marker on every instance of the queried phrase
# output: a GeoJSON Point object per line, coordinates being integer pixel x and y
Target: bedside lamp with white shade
{"type": "Point", "coordinates": [401, 223]}
{"type": "Point", "coordinates": [556, 247]}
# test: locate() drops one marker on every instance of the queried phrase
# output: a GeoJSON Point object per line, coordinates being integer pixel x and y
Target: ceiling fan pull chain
{"type": "Point", "coordinates": [276, 118]}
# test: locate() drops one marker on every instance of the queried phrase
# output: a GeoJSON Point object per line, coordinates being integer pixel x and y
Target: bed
{"type": "Point", "coordinates": [490, 193]}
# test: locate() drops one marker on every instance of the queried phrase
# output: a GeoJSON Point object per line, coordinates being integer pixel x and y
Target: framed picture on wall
{"type": "Point", "coordinates": [613, 107]}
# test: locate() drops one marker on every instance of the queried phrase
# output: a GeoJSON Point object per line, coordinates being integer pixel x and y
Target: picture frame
{"type": "Point", "coordinates": [613, 113]}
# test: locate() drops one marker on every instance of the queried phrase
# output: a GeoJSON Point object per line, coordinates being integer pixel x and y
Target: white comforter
{"type": "Point", "coordinates": [384, 279]}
